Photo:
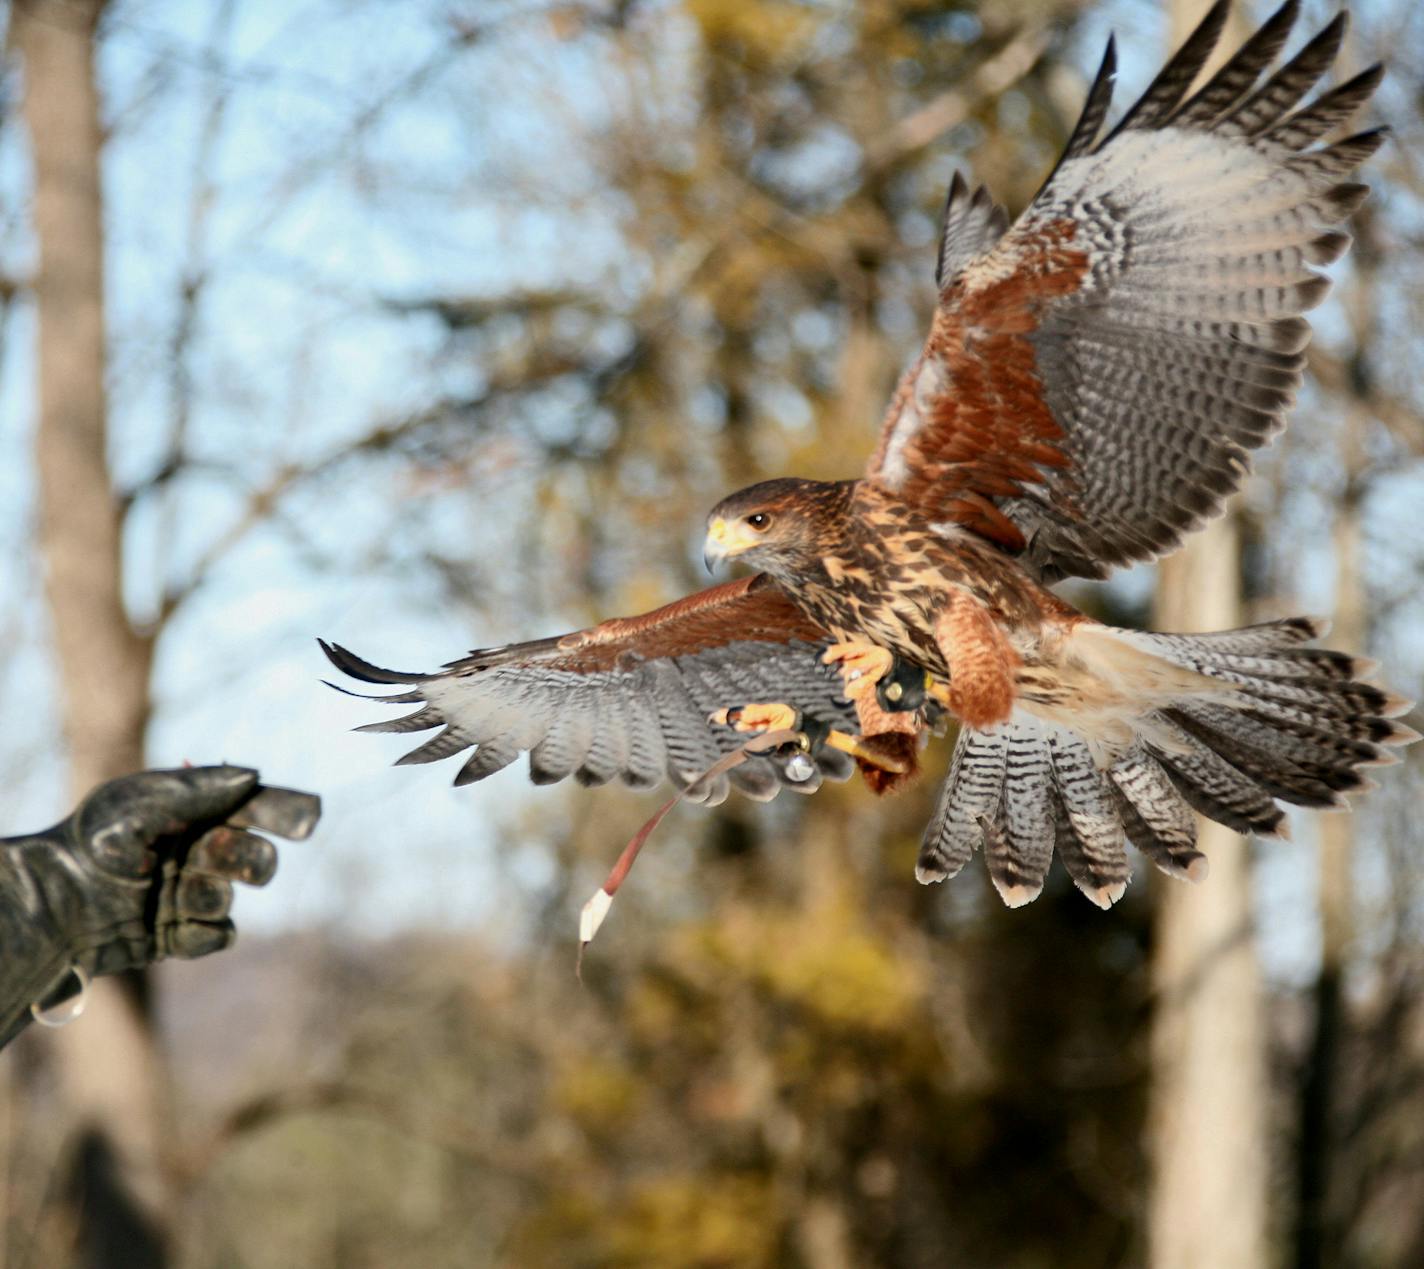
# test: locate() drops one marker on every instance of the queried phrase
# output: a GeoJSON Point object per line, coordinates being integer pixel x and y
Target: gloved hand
{"type": "Point", "coordinates": [142, 870]}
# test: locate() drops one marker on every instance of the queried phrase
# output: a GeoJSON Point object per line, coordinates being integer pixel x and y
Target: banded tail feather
{"type": "Point", "coordinates": [1258, 719]}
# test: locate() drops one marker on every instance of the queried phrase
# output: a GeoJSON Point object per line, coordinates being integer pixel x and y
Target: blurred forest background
{"type": "Point", "coordinates": [427, 324]}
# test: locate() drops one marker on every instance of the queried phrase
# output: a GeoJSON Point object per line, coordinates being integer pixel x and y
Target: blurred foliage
{"type": "Point", "coordinates": [817, 1083]}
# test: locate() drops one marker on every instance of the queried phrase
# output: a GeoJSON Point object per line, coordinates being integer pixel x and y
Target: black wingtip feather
{"type": "Point", "coordinates": [1330, 109]}
{"type": "Point", "coordinates": [1365, 83]}
{"type": "Point", "coordinates": [1239, 75]}
{"type": "Point", "coordinates": [349, 663]}
{"type": "Point", "coordinates": [1363, 144]}
{"type": "Point", "coordinates": [1175, 79]}
{"type": "Point", "coordinates": [346, 691]}
{"type": "Point", "coordinates": [957, 190]}
{"type": "Point", "coordinates": [1344, 200]}
{"type": "Point", "coordinates": [1095, 108]}
{"type": "Point", "coordinates": [400, 698]}
{"type": "Point", "coordinates": [1265, 108]}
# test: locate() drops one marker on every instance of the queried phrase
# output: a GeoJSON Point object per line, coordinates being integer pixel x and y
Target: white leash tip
{"type": "Point", "coordinates": [591, 917]}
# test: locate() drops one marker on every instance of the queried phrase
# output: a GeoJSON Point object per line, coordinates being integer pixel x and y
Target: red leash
{"type": "Point", "coordinates": [594, 911]}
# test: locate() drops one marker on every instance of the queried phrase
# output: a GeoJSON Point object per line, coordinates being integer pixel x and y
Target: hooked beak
{"type": "Point", "coordinates": [724, 541]}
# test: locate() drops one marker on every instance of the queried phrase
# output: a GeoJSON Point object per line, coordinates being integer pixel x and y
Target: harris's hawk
{"type": "Point", "coordinates": [1094, 381]}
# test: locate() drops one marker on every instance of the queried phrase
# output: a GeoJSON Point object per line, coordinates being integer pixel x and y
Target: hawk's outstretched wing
{"type": "Point", "coordinates": [629, 697]}
{"type": "Point", "coordinates": [1097, 375]}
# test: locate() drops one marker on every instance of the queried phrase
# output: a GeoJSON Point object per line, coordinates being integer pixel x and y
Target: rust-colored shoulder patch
{"type": "Point", "coordinates": [751, 609]}
{"type": "Point", "coordinates": [989, 431]}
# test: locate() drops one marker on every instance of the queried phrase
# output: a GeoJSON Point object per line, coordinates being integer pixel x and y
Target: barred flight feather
{"type": "Point", "coordinates": [1097, 376]}
{"type": "Point", "coordinates": [555, 756]}
{"type": "Point", "coordinates": [1288, 85]}
{"type": "Point", "coordinates": [1155, 107]}
{"type": "Point", "coordinates": [1084, 136]}
{"type": "Point", "coordinates": [1239, 74]}
{"type": "Point", "coordinates": [630, 699]}
{"type": "Point", "coordinates": [490, 756]}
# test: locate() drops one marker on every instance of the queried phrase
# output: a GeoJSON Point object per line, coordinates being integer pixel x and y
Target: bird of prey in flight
{"type": "Point", "coordinates": [1095, 378]}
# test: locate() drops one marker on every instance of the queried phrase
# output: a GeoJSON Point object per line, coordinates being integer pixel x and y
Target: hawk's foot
{"type": "Point", "coordinates": [888, 761]}
{"type": "Point", "coordinates": [862, 665]}
{"type": "Point", "coordinates": [758, 716]}
{"type": "Point", "coordinates": [870, 750]}
{"type": "Point", "coordinates": [884, 752]}
{"type": "Point", "coordinates": [938, 690]}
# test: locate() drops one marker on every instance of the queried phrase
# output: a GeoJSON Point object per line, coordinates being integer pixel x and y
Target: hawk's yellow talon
{"type": "Point", "coordinates": [853, 746]}
{"type": "Point", "coordinates": [760, 716]}
{"type": "Point", "coordinates": [862, 665]}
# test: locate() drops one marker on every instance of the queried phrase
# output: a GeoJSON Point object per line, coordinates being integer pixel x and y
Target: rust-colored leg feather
{"type": "Point", "coordinates": [981, 662]}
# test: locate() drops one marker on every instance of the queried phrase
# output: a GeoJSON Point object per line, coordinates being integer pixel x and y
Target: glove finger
{"type": "Point", "coordinates": [235, 854]}
{"type": "Point", "coordinates": [137, 808]}
{"type": "Point", "coordinates": [202, 897]}
{"type": "Point", "coordinates": [287, 812]}
{"type": "Point", "coordinates": [200, 793]}
{"type": "Point", "coordinates": [201, 938]}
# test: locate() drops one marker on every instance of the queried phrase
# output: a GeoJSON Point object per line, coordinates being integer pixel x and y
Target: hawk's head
{"type": "Point", "coordinates": [780, 526]}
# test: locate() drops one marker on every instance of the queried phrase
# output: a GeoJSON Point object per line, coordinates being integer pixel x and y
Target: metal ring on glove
{"type": "Point", "coordinates": [68, 1009]}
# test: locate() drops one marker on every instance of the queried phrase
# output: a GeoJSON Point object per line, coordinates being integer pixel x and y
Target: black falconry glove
{"type": "Point", "coordinates": [142, 870]}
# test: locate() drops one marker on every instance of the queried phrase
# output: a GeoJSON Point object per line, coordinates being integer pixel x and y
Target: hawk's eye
{"type": "Point", "coordinates": [759, 521]}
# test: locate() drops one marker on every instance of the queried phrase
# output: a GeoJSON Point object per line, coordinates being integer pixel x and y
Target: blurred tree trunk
{"type": "Point", "coordinates": [1319, 1223]}
{"type": "Point", "coordinates": [107, 1066]}
{"type": "Point", "coordinates": [1317, 1226]}
{"type": "Point", "coordinates": [1207, 1120]}
{"type": "Point", "coordinates": [1207, 1123]}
